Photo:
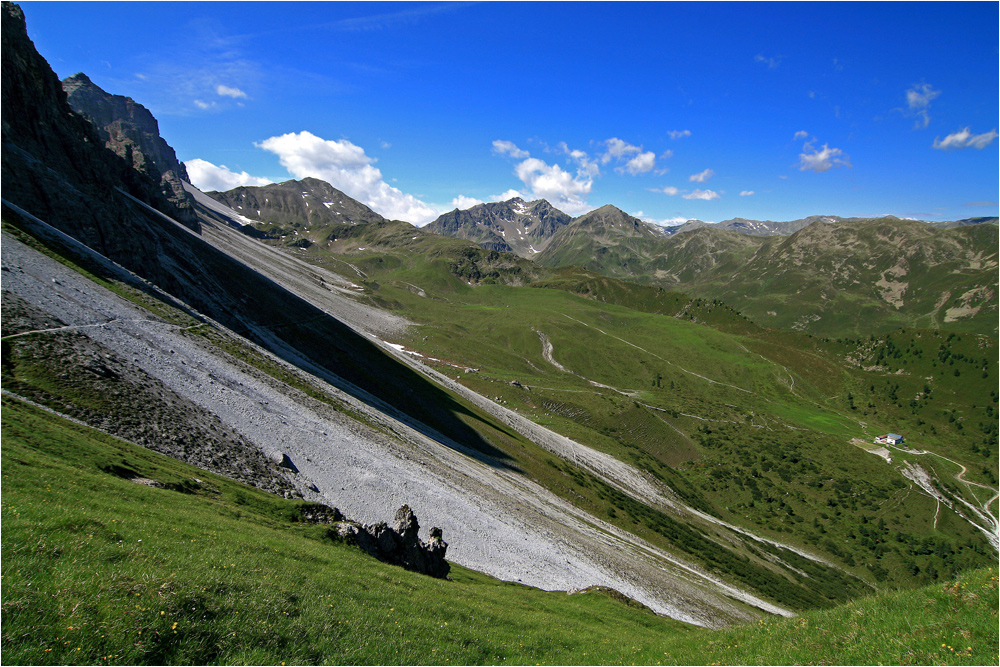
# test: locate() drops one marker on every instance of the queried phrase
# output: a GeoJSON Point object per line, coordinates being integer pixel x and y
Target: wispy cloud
{"type": "Point", "coordinates": [747, 193]}
{"type": "Point", "coordinates": [701, 177]}
{"type": "Point", "coordinates": [667, 190]}
{"type": "Point", "coordinates": [679, 134]}
{"type": "Point", "coordinates": [965, 139]}
{"type": "Point", "coordinates": [918, 100]}
{"type": "Point", "coordinates": [226, 91]}
{"type": "Point", "coordinates": [502, 147]}
{"type": "Point", "coordinates": [772, 62]}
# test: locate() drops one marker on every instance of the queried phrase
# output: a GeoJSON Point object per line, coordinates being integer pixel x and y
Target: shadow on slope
{"type": "Point", "coordinates": [264, 312]}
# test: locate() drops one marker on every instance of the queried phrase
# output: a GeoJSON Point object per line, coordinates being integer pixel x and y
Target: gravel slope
{"type": "Point", "coordinates": [495, 520]}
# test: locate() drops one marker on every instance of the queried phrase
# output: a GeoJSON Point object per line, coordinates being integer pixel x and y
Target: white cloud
{"type": "Point", "coordinates": [640, 164]}
{"type": "Point", "coordinates": [919, 99]}
{"type": "Point", "coordinates": [346, 167]}
{"type": "Point", "coordinates": [678, 134]}
{"type": "Point", "coordinates": [965, 139]}
{"type": "Point", "coordinates": [501, 147]}
{"type": "Point", "coordinates": [771, 62]}
{"type": "Point", "coordinates": [801, 134]}
{"type": "Point", "coordinates": [707, 195]}
{"type": "Point", "coordinates": [226, 91]}
{"type": "Point", "coordinates": [822, 160]}
{"type": "Point", "coordinates": [510, 194]}
{"type": "Point", "coordinates": [747, 193]}
{"type": "Point", "coordinates": [207, 177]}
{"type": "Point", "coordinates": [618, 149]}
{"type": "Point", "coordinates": [667, 190]}
{"type": "Point", "coordinates": [702, 177]}
{"type": "Point", "coordinates": [463, 202]}
{"type": "Point", "coordinates": [204, 105]}
{"type": "Point", "coordinates": [553, 183]}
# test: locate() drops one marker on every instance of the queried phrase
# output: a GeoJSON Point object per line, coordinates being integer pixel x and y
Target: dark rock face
{"type": "Point", "coordinates": [131, 132]}
{"type": "Point", "coordinates": [523, 228]}
{"type": "Point", "coordinates": [400, 545]}
{"type": "Point", "coordinates": [55, 165]}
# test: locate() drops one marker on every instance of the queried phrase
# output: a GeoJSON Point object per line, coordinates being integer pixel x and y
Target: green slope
{"type": "Point", "coordinates": [754, 425]}
{"type": "Point", "coordinates": [98, 569]}
{"type": "Point", "coordinates": [850, 277]}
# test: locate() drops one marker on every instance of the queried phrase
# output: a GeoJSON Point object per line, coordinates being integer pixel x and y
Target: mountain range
{"type": "Point", "coordinates": [309, 369]}
{"type": "Point", "coordinates": [823, 274]}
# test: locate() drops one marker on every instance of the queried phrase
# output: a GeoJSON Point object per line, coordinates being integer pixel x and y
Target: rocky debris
{"type": "Point", "coordinates": [320, 513]}
{"type": "Point", "coordinates": [103, 390]}
{"type": "Point", "coordinates": [400, 544]}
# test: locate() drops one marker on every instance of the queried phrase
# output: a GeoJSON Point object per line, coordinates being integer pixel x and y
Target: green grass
{"type": "Point", "coordinates": [100, 570]}
{"type": "Point", "coordinates": [677, 365]}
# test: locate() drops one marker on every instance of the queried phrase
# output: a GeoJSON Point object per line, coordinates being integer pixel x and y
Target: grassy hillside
{"type": "Point", "coordinates": [761, 427]}
{"type": "Point", "coordinates": [100, 569]}
{"type": "Point", "coordinates": [851, 277]}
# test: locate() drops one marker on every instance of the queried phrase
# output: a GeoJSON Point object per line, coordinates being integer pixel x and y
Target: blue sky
{"type": "Point", "coordinates": [670, 111]}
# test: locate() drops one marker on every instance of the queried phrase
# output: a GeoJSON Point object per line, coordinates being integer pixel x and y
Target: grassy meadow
{"type": "Point", "coordinates": [98, 569]}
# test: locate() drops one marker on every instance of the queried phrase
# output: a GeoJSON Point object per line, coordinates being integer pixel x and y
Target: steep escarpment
{"type": "Point", "coordinates": [131, 132]}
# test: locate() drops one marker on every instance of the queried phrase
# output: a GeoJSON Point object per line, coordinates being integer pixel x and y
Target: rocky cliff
{"type": "Point", "coordinates": [131, 132]}
{"type": "Point", "coordinates": [55, 165]}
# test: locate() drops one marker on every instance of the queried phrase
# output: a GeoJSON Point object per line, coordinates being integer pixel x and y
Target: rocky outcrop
{"type": "Point", "coordinates": [131, 132]}
{"type": "Point", "coordinates": [399, 544]}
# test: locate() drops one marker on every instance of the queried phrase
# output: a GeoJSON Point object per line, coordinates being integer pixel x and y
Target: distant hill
{"type": "Point", "coordinates": [307, 202]}
{"type": "Point", "coordinates": [523, 228]}
{"type": "Point", "coordinates": [772, 228]}
{"type": "Point", "coordinates": [834, 276]}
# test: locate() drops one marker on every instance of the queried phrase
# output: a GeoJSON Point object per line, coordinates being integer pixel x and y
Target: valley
{"type": "Point", "coordinates": [603, 418]}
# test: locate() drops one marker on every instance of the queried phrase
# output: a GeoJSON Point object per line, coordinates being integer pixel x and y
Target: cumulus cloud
{"type": "Point", "coordinates": [501, 147]}
{"type": "Point", "coordinates": [918, 99]}
{"type": "Point", "coordinates": [204, 105]}
{"type": "Point", "coordinates": [552, 182]}
{"type": "Point", "coordinates": [632, 158]}
{"type": "Point", "coordinates": [679, 134]}
{"type": "Point", "coordinates": [208, 177]}
{"type": "Point", "coordinates": [702, 177]}
{"type": "Point", "coordinates": [226, 91]}
{"type": "Point", "coordinates": [562, 189]}
{"type": "Point", "coordinates": [965, 139]}
{"type": "Point", "coordinates": [801, 134]}
{"type": "Point", "coordinates": [640, 164]}
{"type": "Point", "coordinates": [822, 160]}
{"type": "Point", "coordinates": [463, 202]}
{"type": "Point", "coordinates": [346, 167]}
{"type": "Point", "coordinates": [747, 193]}
{"type": "Point", "coordinates": [707, 195]}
